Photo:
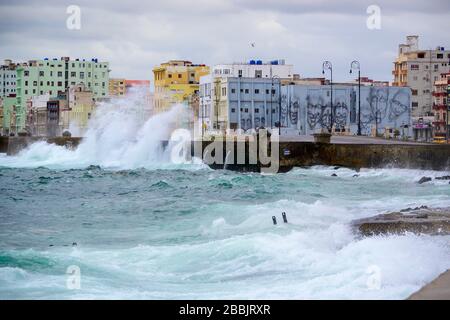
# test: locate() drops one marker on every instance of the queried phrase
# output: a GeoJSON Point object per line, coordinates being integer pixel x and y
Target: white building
{"type": "Point", "coordinates": [8, 79]}
{"type": "Point", "coordinates": [255, 69]}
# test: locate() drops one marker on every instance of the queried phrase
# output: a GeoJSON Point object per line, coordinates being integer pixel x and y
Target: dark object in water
{"type": "Point", "coordinates": [284, 217]}
{"type": "Point", "coordinates": [274, 219]}
{"type": "Point", "coordinates": [424, 179]}
{"type": "Point", "coordinates": [334, 175]}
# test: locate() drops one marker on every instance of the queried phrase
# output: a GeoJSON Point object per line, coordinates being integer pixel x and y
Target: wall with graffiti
{"type": "Point", "coordinates": [307, 108]}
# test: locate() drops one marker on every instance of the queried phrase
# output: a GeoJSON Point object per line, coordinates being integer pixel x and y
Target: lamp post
{"type": "Point", "coordinates": [329, 66]}
{"type": "Point", "coordinates": [279, 102]}
{"type": "Point", "coordinates": [355, 65]}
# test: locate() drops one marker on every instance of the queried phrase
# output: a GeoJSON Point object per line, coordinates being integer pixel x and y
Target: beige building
{"type": "Point", "coordinates": [419, 69]}
{"type": "Point", "coordinates": [117, 87]}
{"type": "Point", "coordinates": [82, 106]}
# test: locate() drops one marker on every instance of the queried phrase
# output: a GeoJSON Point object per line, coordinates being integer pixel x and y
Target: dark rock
{"type": "Point", "coordinates": [355, 175]}
{"type": "Point", "coordinates": [74, 244]}
{"type": "Point", "coordinates": [424, 179]}
{"type": "Point", "coordinates": [420, 220]}
{"type": "Point", "coordinates": [337, 168]}
{"type": "Point", "coordinates": [334, 175]}
{"type": "Point", "coordinates": [443, 178]}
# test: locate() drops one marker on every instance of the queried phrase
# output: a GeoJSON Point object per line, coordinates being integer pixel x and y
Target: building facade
{"type": "Point", "coordinates": [175, 82]}
{"type": "Point", "coordinates": [249, 103]}
{"type": "Point", "coordinates": [419, 69]}
{"type": "Point", "coordinates": [81, 106]}
{"type": "Point", "coordinates": [38, 77]}
{"type": "Point", "coordinates": [255, 69]}
{"type": "Point", "coordinates": [117, 87]}
{"type": "Point", "coordinates": [8, 77]}
{"type": "Point", "coordinates": [441, 107]}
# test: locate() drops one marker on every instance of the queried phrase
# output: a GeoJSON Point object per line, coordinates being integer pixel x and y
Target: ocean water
{"type": "Point", "coordinates": [146, 228]}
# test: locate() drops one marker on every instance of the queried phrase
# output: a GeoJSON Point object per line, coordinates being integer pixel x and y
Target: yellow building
{"type": "Point", "coordinates": [117, 87]}
{"type": "Point", "coordinates": [176, 81]}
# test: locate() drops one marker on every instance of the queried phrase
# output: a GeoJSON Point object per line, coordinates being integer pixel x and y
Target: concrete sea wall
{"type": "Point", "coordinates": [13, 145]}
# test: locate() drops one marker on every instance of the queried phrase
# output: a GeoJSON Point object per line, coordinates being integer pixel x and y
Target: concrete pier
{"type": "Point", "coordinates": [438, 289]}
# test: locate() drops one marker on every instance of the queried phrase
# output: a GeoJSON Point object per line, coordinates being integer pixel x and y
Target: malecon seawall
{"type": "Point", "coordinates": [13, 145]}
{"type": "Point", "coordinates": [297, 154]}
{"type": "Point", "coordinates": [300, 154]}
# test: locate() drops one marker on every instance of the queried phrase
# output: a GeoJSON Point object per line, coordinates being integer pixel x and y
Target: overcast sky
{"type": "Point", "coordinates": [135, 36]}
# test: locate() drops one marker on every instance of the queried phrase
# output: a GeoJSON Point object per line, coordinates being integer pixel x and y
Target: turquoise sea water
{"type": "Point", "coordinates": [146, 228]}
{"type": "Point", "coordinates": [196, 233]}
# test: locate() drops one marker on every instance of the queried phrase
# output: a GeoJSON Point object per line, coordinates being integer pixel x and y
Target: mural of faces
{"type": "Point", "coordinates": [378, 102]}
{"type": "Point", "coordinates": [398, 105]}
{"type": "Point", "coordinates": [314, 105]}
{"type": "Point", "coordinates": [340, 112]}
{"type": "Point", "coordinates": [293, 114]}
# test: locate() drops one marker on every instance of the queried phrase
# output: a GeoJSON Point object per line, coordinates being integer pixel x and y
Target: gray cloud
{"type": "Point", "coordinates": [134, 36]}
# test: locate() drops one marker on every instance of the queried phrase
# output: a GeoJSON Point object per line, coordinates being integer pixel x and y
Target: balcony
{"type": "Point", "coordinates": [439, 94]}
{"type": "Point", "coordinates": [439, 123]}
{"type": "Point", "coordinates": [439, 107]}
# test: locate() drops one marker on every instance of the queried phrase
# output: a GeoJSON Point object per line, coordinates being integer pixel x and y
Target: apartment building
{"type": "Point", "coordinates": [418, 69]}
{"type": "Point", "coordinates": [38, 77]}
{"type": "Point", "coordinates": [8, 79]}
{"type": "Point", "coordinates": [441, 107]}
{"type": "Point", "coordinates": [175, 82]}
{"type": "Point", "coordinates": [117, 87]}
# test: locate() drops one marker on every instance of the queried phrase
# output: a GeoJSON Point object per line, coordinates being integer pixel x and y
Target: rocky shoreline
{"type": "Point", "coordinates": [420, 220]}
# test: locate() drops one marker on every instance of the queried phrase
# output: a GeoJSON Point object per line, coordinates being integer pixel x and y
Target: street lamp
{"type": "Point", "coordinates": [355, 65]}
{"type": "Point", "coordinates": [329, 66]}
{"type": "Point", "coordinates": [279, 102]}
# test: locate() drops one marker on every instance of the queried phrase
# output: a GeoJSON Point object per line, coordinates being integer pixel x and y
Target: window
{"type": "Point", "coordinates": [170, 75]}
{"type": "Point", "coordinates": [414, 92]}
{"type": "Point", "coordinates": [59, 73]}
{"type": "Point", "coordinates": [256, 91]}
{"type": "Point", "coordinates": [246, 109]}
{"type": "Point", "coordinates": [267, 91]}
{"type": "Point", "coordinates": [233, 110]}
{"type": "Point", "coordinates": [414, 67]}
{"type": "Point", "coordinates": [246, 91]}
{"type": "Point", "coordinates": [26, 82]}
{"type": "Point", "coordinates": [35, 83]}
{"type": "Point", "coordinates": [179, 76]}
{"type": "Point", "coordinates": [224, 92]}
{"type": "Point", "coordinates": [41, 83]}
{"type": "Point", "coordinates": [51, 73]}
{"type": "Point", "coordinates": [26, 73]}
{"type": "Point", "coordinates": [73, 74]}
{"type": "Point", "coordinates": [440, 56]}
{"type": "Point", "coordinates": [415, 104]}
{"type": "Point", "coordinates": [273, 91]}
{"type": "Point", "coordinates": [81, 75]}
{"type": "Point", "coordinates": [233, 90]}
{"type": "Point", "coordinates": [421, 55]}
{"type": "Point", "coordinates": [240, 73]}
{"type": "Point", "coordinates": [59, 83]}
{"type": "Point", "coordinates": [192, 75]}
{"type": "Point", "coordinates": [26, 91]}
{"type": "Point", "coordinates": [41, 73]}
{"type": "Point", "coordinates": [256, 110]}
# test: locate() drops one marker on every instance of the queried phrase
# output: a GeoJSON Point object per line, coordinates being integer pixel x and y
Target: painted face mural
{"type": "Point", "coordinates": [249, 124]}
{"type": "Point", "coordinates": [257, 122]}
{"type": "Point", "coordinates": [284, 110]}
{"type": "Point", "coordinates": [398, 104]}
{"type": "Point", "coordinates": [340, 112]}
{"type": "Point", "coordinates": [314, 110]}
{"type": "Point", "coordinates": [293, 114]}
{"type": "Point", "coordinates": [378, 102]}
